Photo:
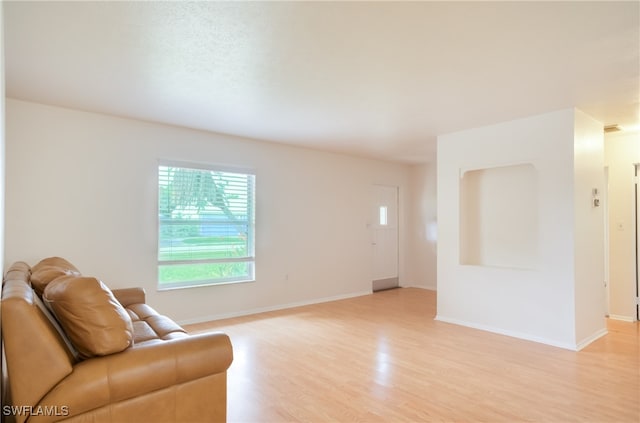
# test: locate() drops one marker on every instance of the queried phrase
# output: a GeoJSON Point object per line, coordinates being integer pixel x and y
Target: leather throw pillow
{"type": "Point", "coordinates": [47, 274]}
{"type": "Point", "coordinates": [94, 320]}
{"type": "Point", "coordinates": [49, 269]}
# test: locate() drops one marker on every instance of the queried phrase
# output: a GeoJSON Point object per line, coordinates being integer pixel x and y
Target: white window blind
{"type": "Point", "coordinates": [206, 226]}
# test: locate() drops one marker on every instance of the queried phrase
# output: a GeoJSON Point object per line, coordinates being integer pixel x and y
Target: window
{"type": "Point", "coordinates": [383, 216]}
{"type": "Point", "coordinates": [206, 226]}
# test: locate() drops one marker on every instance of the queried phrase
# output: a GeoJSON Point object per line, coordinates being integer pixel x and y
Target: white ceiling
{"type": "Point", "coordinates": [376, 79]}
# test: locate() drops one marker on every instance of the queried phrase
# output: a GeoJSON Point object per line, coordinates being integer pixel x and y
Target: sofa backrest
{"type": "Point", "coordinates": [37, 357]}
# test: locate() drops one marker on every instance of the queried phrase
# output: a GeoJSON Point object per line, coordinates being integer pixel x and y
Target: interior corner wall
{"type": "Point", "coordinates": [3, 373]}
{"type": "Point", "coordinates": [589, 183]}
{"type": "Point", "coordinates": [535, 303]}
{"type": "Point", "coordinates": [622, 150]}
{"type": "Point", "coordinates": [422, 228]}
{"type": "Point", "coordinates": [2, 139]}
{"type": "Point", "coordinates": [84, 186]}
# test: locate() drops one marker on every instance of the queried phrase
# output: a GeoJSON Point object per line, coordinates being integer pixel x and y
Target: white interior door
{"type": "Point", "coordinates": [384, 228]}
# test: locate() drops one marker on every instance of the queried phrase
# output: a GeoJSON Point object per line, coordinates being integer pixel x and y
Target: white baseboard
{"type": "Point", "coordinates": [589, 339]}
{"type": "Point", "coordinates": [229, 315]}
{"type": "Point", "coordinates": [622, 318]}
{"type": "Point", "coordinates": [428, 288]}
{"type": "Point", "coordinates": [511, 333]}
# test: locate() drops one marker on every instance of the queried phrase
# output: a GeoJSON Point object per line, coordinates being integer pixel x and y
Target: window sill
{"type": "Point", "coordinates": [201, 285]}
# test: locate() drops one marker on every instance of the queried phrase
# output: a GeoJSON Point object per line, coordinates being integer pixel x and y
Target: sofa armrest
{"type": "Point", "coordinates": [140, 370]}
{"type": "Point", "coordinates": [128, 296]}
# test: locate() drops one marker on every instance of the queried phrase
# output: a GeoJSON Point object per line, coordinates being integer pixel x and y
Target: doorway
{"type": "Point", "coordinates": [637, 225]}
{"type": "Point", "coordinates": [384, 237]}
{"type": "Point", "coordinates": [605, 200]}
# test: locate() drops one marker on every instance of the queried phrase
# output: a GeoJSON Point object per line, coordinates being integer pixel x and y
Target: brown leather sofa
{"type": "Point", "coordinates": [76, 351]}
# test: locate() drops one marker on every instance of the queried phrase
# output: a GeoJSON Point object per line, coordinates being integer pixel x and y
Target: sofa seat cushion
{"type": "Point", "coordinates": [94, 320]}
{"type": "Point", "coordinates": [148, 325]}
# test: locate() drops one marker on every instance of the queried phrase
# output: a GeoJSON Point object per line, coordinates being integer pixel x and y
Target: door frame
{"type": "Point", "coordinates": [391, 282]}
{"type": "Point", "coordinates": [607, 276]}
{"type": "Point", "coordinates": [636, 224]}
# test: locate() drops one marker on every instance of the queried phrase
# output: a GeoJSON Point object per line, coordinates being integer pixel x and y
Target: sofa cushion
{"type": "Point", "coordinates": [46, 274]}
{"type": "Point", "coordinates": [148, 325]}
{"type": "Point", "coordinates": [49, 269]}
{"type": "Point", "coordinates": [94, 320]}
{"type": "Point", "coordinates": [55, 262]}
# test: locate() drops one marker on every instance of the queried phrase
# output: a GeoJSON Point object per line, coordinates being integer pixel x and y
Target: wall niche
{"type": "Point", "coordinates": [499, 216]}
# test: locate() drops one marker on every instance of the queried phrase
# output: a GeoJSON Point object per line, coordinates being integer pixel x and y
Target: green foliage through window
{"type": "Point", "coordinates": [206, 226]}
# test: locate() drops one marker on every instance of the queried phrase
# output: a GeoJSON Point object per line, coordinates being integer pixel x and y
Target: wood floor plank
{"type": "Point", "coordinates": [383, 357]}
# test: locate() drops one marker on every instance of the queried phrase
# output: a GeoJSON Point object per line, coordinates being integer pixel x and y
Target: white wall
{"type": "Point", "coordinates": [588, 168]}
{"type": "Point", "coordinates": [2, 139]}
{"type": "Point", "coordinates": [422, 227]}
{"type": "Point", "coordinates": [2, 179]}
{"type": "Point", "coordinates": [536, 303]}
{"type": "Point", "coordinates": [622, 150]}
{"type": "Point", "coordinates": [83, 186]}
{"type": "Point", "coordinates": [513, 229]}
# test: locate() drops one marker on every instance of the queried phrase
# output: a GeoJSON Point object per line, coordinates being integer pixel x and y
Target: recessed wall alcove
{"type": "Point", "coordinates": [520, 246]}
{"type": "Point", "coordinates": [499, 216]}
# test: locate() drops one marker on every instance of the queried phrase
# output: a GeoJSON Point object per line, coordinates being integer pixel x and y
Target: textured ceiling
{"type": "Point", "coordinates": [376, 79]}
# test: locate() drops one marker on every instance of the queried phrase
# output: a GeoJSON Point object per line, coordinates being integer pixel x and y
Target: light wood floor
{"type": "Point", "coordinates": [382, 357]}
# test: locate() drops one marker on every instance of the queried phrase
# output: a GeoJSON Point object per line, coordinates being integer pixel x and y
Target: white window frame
{"type": "Point", "coordinates": [250, 222]}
